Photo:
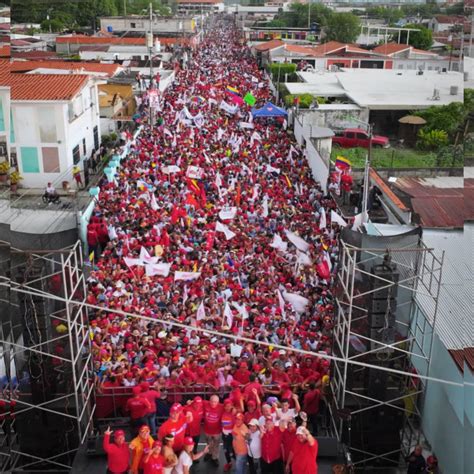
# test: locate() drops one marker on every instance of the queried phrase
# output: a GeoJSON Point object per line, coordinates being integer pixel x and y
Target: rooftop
{"type": "Point", "coordinates": [383, 89]}
{"type": "Point", "coordinates": [105, 69]}
{"type": "Point", "coordinates": [268, 45]}
{"type": "Point", "coordinates": [83, 39]}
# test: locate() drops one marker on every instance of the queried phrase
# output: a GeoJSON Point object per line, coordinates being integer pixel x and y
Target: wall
{"type": "Point", "coordinates": [319, 166]}
{"type": "Point", "coordinates": [168, 25]}
{"type": "Point", "coordinates": [333, 117]}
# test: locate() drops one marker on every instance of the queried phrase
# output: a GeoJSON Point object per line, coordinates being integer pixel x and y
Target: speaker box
{"type": "Point", "coordinates": [383, 335]}
{"type": "Point", "coordinates": [380, 320]}
{"type": "Point", "coordinates": [380, 306]}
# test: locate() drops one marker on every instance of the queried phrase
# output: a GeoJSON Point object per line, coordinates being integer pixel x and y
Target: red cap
{"type": "Point", "coordinates": [197, 400]}
{"type": "Point", "coordinates": [227, 401]}
{"type": "Point", "coordinates": [145, 386]}
{"type": "Point", "coordinates": [157, 444]}
{"type": "Point", "coordinates": [119, 433]}
{"type": "Point", "coordinates": [176, 408]}
{"type": "Point", "coordinates": [136, 390]}
{"type": "Point", "coordinates": [188, 441]}
{"type": "Point", "coordinates": [239, 416]}
{"type": "Point", "coordinates": [144, 428]}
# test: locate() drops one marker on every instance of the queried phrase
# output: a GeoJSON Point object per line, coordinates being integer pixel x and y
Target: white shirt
{"type": "Point", "coordinates": [255, 445]}
{"type": "Point", "coordinates": [184, 460]}
{"type": "Point", "coordinates": [290, 414]}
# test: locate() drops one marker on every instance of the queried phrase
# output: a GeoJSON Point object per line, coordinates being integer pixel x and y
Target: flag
{"type": "Point", "coordinates": [153, 203]}
{"type": "Point", "coordinates": [322, 219]}
{"type": "Point", "coordinates": [186, 276]}
{"type": "Point", "coordinates": [288, 182]}
{"type": "Point", "coordinates": [131, 262]}
{"type": "Point", "coordinates": [336, 218]}
{"type": "Point", "coordinates": [232, 90]}
{"type": "Point", "coordinates": [218, 180]}
{"type": "Point", "coordinates": [265, 207]}
{"type": "Point", "coordinates": [237, 100]}
{"type": "Point", "coordinates": [91, 256]}
{"type": "Point", "coordinates": [238, 196]}
{"type": "Point", "coordinates": [271, 169]}
{"type": "Point", "coordinates": [250, 99]}
{"type": "Point", "coordinates": [297, 241]}
{"type": "Point", "coordinates": [342, 162]}
{"type": "Point", "coordinates": [230, 109]}
{"type": "Point", "coordinates": [303, 258]}
{"type": "Point", "coordinates": [201, 312]}
{"type": "Point", "coordinates": [186, 294]}
{"type": "Point", "coordinates": [161, 269]}
{"type": "Point", "coordinates": [298, 302]}
{"type": "Point", "coordinates": [255, 136]}
{"type": "Point", "coordinates": [145, 257]}
{"type": "Point", "coordinates": [226, 231]}
{"type": "Point", "coordinates": [241, 309]}
{"type": "Point", "coordinates": [328, 260]}
{"type": "Point", "coordinates": [229, 317]}
{"type": "Point", "coordinates": [281, 302]}
{"type": "Point", "coordinates": [228, 213]}
{"type": "Point", "coordinates": [279, 244]}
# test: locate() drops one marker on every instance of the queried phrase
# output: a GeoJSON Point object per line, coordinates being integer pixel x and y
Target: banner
{"type": "Point", "coordinates": [298, 302]}
{"type": "Point", "coordinates": [161, 269]}
{"type": "Point", "coordinates": [170, 169]}
{"type": "Point", "coordinates": [228, 213]}
{"type": "Point", "coordinates": [225, 230]}
{"type": "Point", "coordinates": [186, 276]}
{"type": "Point", "coordinates": [336, 218]}
{"type": "Point", "coordinates": [132, 262]}
{"type": "Point", "coordinates": [230, 109]}
{"type": "Point", "coordinates": [194, 172]}
{"type": "Point", "coordinates": [271, 169]}
{"type": "Point", "coordinates": [279, 244]}
{"type": "Point", "coordinates": [246, 125]}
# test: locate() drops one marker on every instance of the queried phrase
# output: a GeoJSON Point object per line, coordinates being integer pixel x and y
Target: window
{"type": "Point", "coordinates": [133, 25]}
{"type": "Point", "coordinates": [29, 159]}
{"type": "Point", "coordinates": [96, 137]}
{"type": "Point", "coordinates": [84, 148]}
{"type": "Point", "coordinates": [50, 159]}
{"type": "Point", "coordinates": [362, 136]}
{"type": "Point", "coordinates": [76, 155]}
{"type": "Point", "coordinates": [350, 135]}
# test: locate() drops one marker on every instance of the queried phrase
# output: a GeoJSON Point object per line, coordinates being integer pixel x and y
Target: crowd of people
{"type": "Point", "coordinates": [215, 234]}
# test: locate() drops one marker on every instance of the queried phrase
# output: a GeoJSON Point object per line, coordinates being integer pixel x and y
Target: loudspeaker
{"type": "Point", "coordinates": [380, 320]}
{"type": "Point", "coordinates": [381, 306]}
{"type": "Point", "coordinates": [385, 336]}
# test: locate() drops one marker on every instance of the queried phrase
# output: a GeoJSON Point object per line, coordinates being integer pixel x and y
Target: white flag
{"type": "Point", "coordinates": [298, 302]}
{"type": "Point", "coordinates": [228, 213]}
{"type": "Point", "coordinates": [328, 260]}
{"type": "Point", "coordinates": [229, 317]}
{"type": "Point", "coordinates": [186, 276]}
{"type": "Point", "coordinates": [281, 302]}
{"type": "Point", "coordinates": [265, 207]}
{"type": "Point", "coordinates": [279, 244]}
{"type": "Point", "coordinates": [271, 169]}
{"type": "Point", "coordinates": [131, 262]}
{"type": "Point", "coordinates": [218, 180]}
{"type": "Point", "coordinates": [227, 232]}
{"type": "Point", "coordinates": [303, 258]}
{"type": "Point", "coordinates": [230, 109]}
{"type": "Point", "coordinates": [161, 269]}
{"type": "Point", "coordinates": [335, 217]}
{"type": "Point", "coordinates": [255, 137]}
{"type": "Point", "coordinates": [201, 312]}
{"type": "Point", "coordinates": [170, 169]}
{"type": "Point", "coordinates": [322, 219]}
{"type": "Point", "coordinates": [146, 257]}
{"type": "Point", "coordinates": [297, 241]}
{"type": "Point", "coordinates": [153, 203]}
{"type": "Point", "coordinates": [167, 132]}
{"type": "Point", "coordinates": [241, 309]}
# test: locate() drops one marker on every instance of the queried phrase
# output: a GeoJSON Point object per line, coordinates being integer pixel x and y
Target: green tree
{"type": "Point", "coordinates": [447, 118]}
{"type": "Point", "coordinates": [55, 25]}
{"type": "Point", "coordinates": [422, 39]}
{"type": "Point", "coordinates": [343, 27]}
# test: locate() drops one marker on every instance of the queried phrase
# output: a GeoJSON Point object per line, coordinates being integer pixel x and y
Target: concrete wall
{"type": "Point", "coordinates": [319, 166]}
{"type": "Point", "coordinates": [165, 25]}
{"type": "Point", "coordinates": [333, 118]}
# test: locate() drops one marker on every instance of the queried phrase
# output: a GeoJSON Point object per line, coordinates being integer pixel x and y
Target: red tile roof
{"type": "Point", "coordinates": [34, 54]}
{"type": "Point", "coordinates": [32, 87]}
{"type": "Point", "coordinates": [391, 48]}
{"type": "Point", "coordinates": [387, 191]}
{"type": "Point", "coordinates": [268, 45]}
{"type": "Point", "coordinates": [83, 39]}
{"type": "Point", "coordinates": [333, 46]}
{"type": "Point", "coordinates": [213, 2]}
{"type": "Point", "coordinates": [449, 19]}
{"type": "Point", "coordinates": [108, 69]}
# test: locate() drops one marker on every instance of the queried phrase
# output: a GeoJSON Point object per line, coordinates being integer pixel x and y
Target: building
{"type": "Point", "coordinates": [343, 55]}
{"type": "Point", "coordinates": [141, 24]}
{"type": "Point", "coordinates": [71, 44]}
{"type": "Point", "coordinates": [441, 23]}
{"type": "Point", "coordinates": [66, 67]}
{"type": "Point", "coordinates": [247, 16]}
{"type": "Point", "coordinates": [54, 124]}
{"type": "Point", "coordinates": [199, 7]}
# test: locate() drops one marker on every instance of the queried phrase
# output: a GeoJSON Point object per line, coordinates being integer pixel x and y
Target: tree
{"type": "Point", "coordinates": [343, 27]}
{"type": "Point", "coordinates": [445, 117]}
{"type": "Point", "coordinates": [422, 39]}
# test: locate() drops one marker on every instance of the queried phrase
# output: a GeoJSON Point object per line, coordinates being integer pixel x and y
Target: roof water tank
{"type": "Point", "coordinates": [110, 29]}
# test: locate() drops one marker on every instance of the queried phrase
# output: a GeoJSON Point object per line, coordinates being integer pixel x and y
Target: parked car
{"type": "Point", "coordinates": [357, 137]}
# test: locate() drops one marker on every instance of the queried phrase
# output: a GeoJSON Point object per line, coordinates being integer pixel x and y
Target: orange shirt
{"type": "Point", "coordinates": [138, 448]}
{"type": "Point", "coordinates": [239, 442]}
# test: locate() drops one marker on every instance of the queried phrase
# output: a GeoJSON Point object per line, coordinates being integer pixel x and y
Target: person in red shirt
{"type": "Point", "coordinates": [151, 395]}
{"type": "Point", "coordinates": [272, 462]}
{"type": "Point", "coordinates": [253, 411]}
{"type": "Point", "coordinates": [138, 407]}
{"type": "Point", "coordinates": [176, 425]}
{"type": "Point", "coordinates": [288, 438]}
{"type": "Point", "coordinates": [242, 374]}
{"type": "Point", "coordinates": [212, 426]}
{"type": "Point", "coordinates": [196, 408]}
{"type": "Point", "coordinates": [249, 390]}
{"type": "Point", "coordinates": [118, 454]}
{"type": "Point", "coordinates": [311, 405]}
{"type": "Point", "coordinates": [154, 462]}
{"type": "Point", "coordinates": [303, 453]}
{"type": "Point", "coordinates": [227, 423]}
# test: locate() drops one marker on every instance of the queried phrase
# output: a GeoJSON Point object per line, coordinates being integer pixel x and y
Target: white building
{"type": "Point", "coordinates": [55, 125]}
{"type": "Point", "coordinates": [141, 24]}
{"type": "Point", "coordinates": [4, 110]}
{"type": "Point", "coordinates": [199, 7]}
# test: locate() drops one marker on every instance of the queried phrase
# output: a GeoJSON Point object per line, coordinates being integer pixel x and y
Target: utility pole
{"type": "Point", "coordinates": [150, 54]}
{"type": "Point", "coordinates": [124, 8]}
{"type": "Point", "coordinates": [309, 14]}
{"type": "Point", "coordinates": [365, 199]}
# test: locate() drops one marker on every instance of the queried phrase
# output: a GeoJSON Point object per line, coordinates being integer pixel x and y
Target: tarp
{"type": "Point", "coordinates": [269, 110]}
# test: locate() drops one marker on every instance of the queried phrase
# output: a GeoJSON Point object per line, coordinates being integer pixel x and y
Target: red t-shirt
{"type": "Point", "coordinates": [118, 457]}
{"type": "Point", "coordinates": [137, 406]}
{"type": "Point", "coordinates": [271, 445]}
{"type": "Point", "coordinates": [304, 457]}
{"type": "Point", "coordinates": [212, 419]}
{"type": "Point", "coordinates": [288, 439]}
{"type": "Point", "coordinates": [194, 428]}
{"type": "Point", "coordinates": [248, 394]}
{"type": "Point", "coordinates": [177, 429]}
{"type": "Point", "coordinates": [154, 465]}
{"type": "Point", "coordinates": [311, 402]}
{"type": "Point", "coordinates": [249, 416]}
{"type": "Point", "coordinates": [151, 396]}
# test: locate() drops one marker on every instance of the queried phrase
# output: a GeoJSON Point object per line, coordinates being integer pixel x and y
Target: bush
{"type": "Point", "coordinates": [305, 100]}
{"type": "Point", "coordinates": [278, 70]}
{"type": "Point", "coordinates": [432, 139]}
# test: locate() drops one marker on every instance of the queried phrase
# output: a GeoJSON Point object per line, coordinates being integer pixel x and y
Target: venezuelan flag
{"type": "Point", "coordinates": [232, 90]}
{"type": "Point", "coordinates": [342, 162]}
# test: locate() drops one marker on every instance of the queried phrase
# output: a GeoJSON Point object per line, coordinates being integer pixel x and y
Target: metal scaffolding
{"type": "Point", "coordinates": [399, 354]}
{"type": "Point", "coordinates": [47, 394]}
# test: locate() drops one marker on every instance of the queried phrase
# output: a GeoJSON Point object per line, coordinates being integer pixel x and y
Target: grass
{"type": "Point", "coordinates": [387, 157]}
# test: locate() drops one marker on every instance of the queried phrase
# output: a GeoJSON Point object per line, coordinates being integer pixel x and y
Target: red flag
{"type": "Point", "coordinates": [210, 240]}
{"type": "Point", "coordinates": [191, 200]}
{"type": "Point", "coordinates": [238, 195]}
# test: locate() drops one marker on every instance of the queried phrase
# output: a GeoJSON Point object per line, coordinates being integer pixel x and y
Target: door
{"type": "Point", "coordinates": [350, 140]}
{"type": "Point", "coordinates": [362, 140]}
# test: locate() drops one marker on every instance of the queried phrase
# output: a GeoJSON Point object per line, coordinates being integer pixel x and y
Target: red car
{"type": "Point", "coordinates": [357, 137]}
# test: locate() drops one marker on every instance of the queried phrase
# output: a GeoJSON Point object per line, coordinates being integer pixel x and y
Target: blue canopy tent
{"type": "Point", "coordinates": [269, 110]}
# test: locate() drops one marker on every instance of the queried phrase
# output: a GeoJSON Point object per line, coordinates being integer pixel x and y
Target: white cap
{"type": "Point", "coordinates": [253, 422]}
{"type": "Point", "coordinates": [301, 430]}
{"type": "Point", "coordinates": [282, 352]}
